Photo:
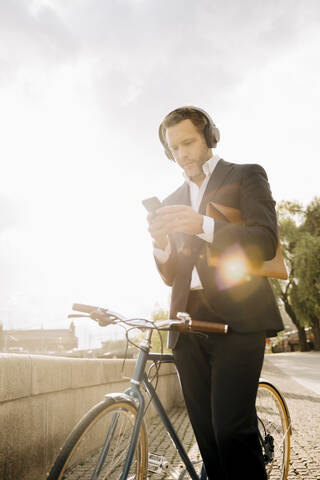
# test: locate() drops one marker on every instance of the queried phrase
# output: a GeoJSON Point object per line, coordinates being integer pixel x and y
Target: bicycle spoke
{"type": "Point", "coordinates": [101, 451]}
{"type": "Point", "coordinates": [105, 449]}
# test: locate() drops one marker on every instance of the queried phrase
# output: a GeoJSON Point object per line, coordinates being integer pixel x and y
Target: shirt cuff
{"type": "Point", "coordinates": [162, 255]}
{"type": "Point", "coordinates": [208, 228]}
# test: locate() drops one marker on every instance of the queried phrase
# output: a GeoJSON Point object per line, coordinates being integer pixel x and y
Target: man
{"type": "Point", "coordinates": [219, 373]}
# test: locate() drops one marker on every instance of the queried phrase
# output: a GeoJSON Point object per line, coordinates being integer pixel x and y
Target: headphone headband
{"type": "Point", "coordinates": [210, 132]}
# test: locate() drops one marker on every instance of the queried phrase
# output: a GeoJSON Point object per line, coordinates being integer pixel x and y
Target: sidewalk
{"type": "Point", "coordinates": [304, 367]}
{"type": "Point", "coordinates": [304, 407]}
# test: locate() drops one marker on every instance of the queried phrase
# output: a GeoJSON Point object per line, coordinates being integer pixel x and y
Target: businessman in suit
{"type": "Point", "coordinates": [219, 373]}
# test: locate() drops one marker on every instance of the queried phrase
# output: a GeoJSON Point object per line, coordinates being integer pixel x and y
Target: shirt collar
{"type": "Point", "coordinates": [207, 167]}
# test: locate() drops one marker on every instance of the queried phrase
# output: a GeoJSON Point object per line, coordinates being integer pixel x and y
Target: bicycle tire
{"type": "Point", "coordinates": [275, 430]}
{"type": "Point", "coordinates": [108, 424]}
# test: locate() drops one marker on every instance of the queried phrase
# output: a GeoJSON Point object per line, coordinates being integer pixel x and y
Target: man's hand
{"type": "Point", "coordinates": [178, 218]}
{"type": "Point", "coordinates": [158, 232]}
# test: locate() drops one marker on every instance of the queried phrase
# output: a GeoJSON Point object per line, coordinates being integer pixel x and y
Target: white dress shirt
{"type": "Point", "coordinates": [196, 194]}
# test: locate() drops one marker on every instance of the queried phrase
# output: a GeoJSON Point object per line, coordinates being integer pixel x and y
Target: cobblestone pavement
{"type": "Point", "coordinates": [304, 407]}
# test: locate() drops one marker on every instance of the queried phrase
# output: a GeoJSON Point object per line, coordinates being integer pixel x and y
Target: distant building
{"type": "Point", "coordinates": [38, 340]}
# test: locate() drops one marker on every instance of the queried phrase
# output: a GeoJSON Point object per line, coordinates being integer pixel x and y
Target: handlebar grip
{"type": "Point", "coordinates": [79, 307]}
{"type": "Point", "coordinates": [200, 326]}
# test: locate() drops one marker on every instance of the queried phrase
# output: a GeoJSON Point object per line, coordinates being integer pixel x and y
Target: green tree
{"type": "Point", "coordinates": [159, 344]}
{"type": "Point", "coordinates": [311, 222]}
{"type": "Point", "coordinates": [307, 267]}
{"type": "Point", "coordinates": [290, 217]}
{"type": "Point", "coordinates": [300, 241]}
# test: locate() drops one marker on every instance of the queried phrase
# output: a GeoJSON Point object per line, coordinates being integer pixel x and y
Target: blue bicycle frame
{"type": "Point", "coordinates": [140, 378]}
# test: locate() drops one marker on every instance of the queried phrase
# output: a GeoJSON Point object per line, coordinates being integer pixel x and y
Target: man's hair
{"type": "Point", "coordinates": [198, 119]}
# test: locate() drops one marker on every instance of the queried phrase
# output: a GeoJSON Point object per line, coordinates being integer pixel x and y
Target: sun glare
{"type": "Point", "coordinates": [234, 269]}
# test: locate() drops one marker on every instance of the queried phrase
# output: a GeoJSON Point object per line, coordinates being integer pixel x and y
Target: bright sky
{"type": "Point", "coordinates": [84, 85]}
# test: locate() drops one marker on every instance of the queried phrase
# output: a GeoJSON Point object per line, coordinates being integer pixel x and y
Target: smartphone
{"type": "Point", "coordinates": [151, 204]}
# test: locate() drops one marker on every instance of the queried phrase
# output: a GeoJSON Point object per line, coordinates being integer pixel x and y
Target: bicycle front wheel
{"type": "Point", "coordinates": [274, 429]}
{"type": "Point", "coordinates": [97, 447]}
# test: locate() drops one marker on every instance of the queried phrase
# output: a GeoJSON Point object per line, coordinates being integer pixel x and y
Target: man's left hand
{"type": "Point", "coordinates": [180, 218]}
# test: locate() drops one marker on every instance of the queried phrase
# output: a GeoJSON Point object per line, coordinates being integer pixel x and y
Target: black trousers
{"type": "Point", "coordinates": [219, 376]}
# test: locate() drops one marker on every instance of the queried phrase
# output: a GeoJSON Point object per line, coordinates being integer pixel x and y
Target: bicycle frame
{"type": "Point", "coordinates": [140, 378]}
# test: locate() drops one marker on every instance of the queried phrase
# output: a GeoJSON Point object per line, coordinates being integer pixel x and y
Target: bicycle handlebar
{"type": "Point", "coordinates": [201, 326]}
{"type": "Point", "coordinates": [184, 323]}
{"type": "Point", "coordinates": [79, 307]}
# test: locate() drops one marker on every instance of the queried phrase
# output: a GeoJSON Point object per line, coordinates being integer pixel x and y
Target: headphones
{"type": "Point", "coordinates": [210, 132]}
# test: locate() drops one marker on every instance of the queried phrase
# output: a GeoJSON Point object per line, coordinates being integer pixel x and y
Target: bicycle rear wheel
{"type": "Point", "coordinates": [275, 428]}
{"type": "Point", "coordinates": [97, 447]}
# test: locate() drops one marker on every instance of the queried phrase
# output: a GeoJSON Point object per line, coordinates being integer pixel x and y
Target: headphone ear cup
{"type": "Point", "coordinates": [216, 135]}
{"type": "Point", "coordinates": [211, 132]}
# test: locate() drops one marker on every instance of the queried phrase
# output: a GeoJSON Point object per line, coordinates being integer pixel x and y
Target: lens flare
{"type": "Point", "coordinates": [234, 269]}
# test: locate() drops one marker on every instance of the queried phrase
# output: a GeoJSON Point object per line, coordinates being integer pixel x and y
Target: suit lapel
{"type": "Point", "coordinates": [184, 197]}
{"type": "Point", "coordinates": [216, 181]}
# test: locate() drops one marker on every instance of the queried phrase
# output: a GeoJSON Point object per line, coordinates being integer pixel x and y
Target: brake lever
{"type": "Point", "coordinates": [102, 319]}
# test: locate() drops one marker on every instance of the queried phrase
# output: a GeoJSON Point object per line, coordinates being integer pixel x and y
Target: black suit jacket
{"type": "Point", "coordinates": [247, 305]}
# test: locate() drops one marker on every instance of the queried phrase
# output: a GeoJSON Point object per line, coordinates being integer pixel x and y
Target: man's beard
{"type": "Point", "coordinates": [198, 165]}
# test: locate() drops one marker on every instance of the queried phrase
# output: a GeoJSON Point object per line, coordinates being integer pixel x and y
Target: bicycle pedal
{"type": "Point", "coordinates": [157, 463]}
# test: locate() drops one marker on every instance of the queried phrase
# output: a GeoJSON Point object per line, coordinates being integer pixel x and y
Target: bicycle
{"type": "Point", "coordinates": [110, 441]}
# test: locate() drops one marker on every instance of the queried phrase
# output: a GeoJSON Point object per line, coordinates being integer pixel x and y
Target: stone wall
{"type": "Point", "coordinates": [42, 398]}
